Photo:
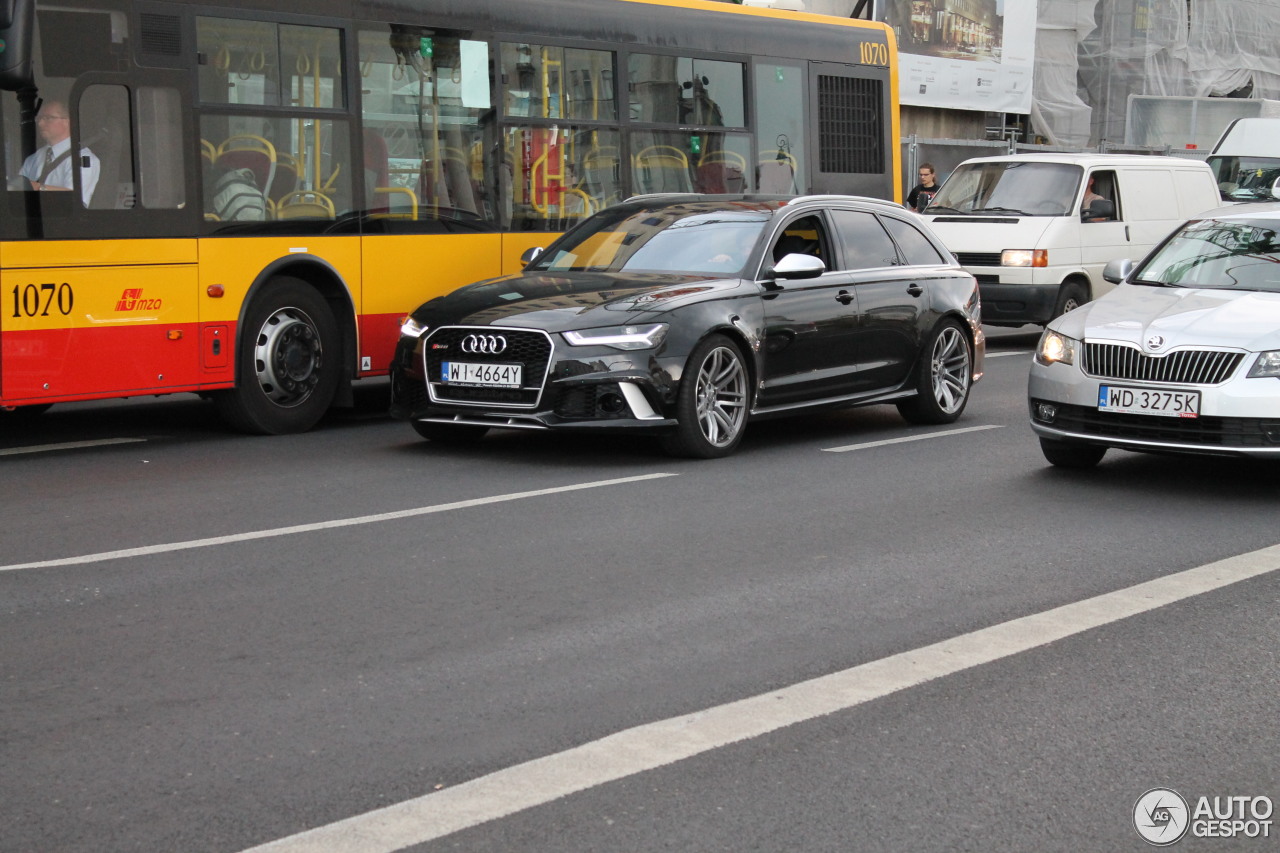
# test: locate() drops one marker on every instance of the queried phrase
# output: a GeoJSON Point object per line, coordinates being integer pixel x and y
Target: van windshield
{"type": "Point", "coordinates": [1246, 178]}
{"type": "Point", "coordinates": [1010, 188]}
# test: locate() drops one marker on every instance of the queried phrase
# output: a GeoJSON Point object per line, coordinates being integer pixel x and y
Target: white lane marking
{"type": "Point", "coordinates": [1012, 352]}
{"type": "Point", "coordinates": [654, 745]}
{"type": "Point", "coordinates": [322, 525]}
{"type": "Point", "coordinates": [905, 439]}
{"type": "Point", "coordinates": [69, 445]}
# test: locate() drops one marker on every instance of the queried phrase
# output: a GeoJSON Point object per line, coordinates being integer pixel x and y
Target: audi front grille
{"type": "Point", "coordinates": [531, 349]}
{"type": "Point", "coordinates": [1184, 367]}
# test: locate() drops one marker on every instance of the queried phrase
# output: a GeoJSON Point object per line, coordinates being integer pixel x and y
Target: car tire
{"type": "Point", "coordinates": [1067, 454]}
{"type": "Point", "coordinates": [944, 376]}
{"type": "Point", "coordinates": [288, 362]}
{"type": "Point", "coordinates": [449, 433]}
{"type": "Point", "coordinates": [712, 401]}
{"type": "Point", "coordinates": [1072, 295]}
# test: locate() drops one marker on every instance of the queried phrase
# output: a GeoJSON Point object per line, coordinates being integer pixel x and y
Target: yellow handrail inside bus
{"type": "Point", "coordinates": [413, 203]}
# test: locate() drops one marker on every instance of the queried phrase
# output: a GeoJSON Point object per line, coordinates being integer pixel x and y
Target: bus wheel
{"type": "Point", "coordinates": [287, 362]}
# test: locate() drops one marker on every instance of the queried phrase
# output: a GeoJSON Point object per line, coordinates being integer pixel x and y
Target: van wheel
{"type": "Point", "coordinates": [1072, 295]}
{"type": "Point", "coordinates": [287, 362]}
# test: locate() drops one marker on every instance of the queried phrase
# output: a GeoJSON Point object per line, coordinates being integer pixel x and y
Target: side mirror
{"type": "Point", "coordinates": [530, 255]}
{"type": "Point", "coordinates": [1117, 271]}
{"type": "Point", "coordinates": [797, 265]}
{"type": "Point", "coordinates": [1100, 208]}
{"type": "Point", "coordinates": [1275, 189]}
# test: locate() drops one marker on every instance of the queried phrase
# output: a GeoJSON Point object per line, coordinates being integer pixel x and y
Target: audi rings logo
{"type": "Point", "coordinates": [490, 344]}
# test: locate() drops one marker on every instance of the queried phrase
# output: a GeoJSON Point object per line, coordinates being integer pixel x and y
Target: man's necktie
{"type": "Point", "coordinates": [48, 164]}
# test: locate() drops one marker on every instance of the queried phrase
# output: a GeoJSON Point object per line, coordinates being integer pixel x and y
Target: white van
{"type": "Point", "coordinates": [1031, 229]}
{"type": "Point", "coordinates": [1246, 160]}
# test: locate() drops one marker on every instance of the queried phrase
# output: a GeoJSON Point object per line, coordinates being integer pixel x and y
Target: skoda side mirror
{"type": "Point", "coordinates": [1117, 271]}
{"type": "Point", "coordinates": [530, 255]}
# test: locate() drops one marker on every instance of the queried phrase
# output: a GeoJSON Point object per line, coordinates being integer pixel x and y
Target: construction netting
{"type": "Point", "coordinates": [1093, 55]}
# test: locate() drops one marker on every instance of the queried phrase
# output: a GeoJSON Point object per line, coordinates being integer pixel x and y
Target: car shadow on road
{"type": "Point", "coordinates": [1172, 475]}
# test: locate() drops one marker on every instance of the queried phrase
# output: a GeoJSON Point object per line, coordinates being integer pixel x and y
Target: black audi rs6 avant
{"type": "Point", "coordinates": [687, 316]}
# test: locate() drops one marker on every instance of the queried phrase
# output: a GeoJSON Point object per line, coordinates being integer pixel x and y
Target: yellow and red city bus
{"type": "Point", "coordinates": [259, 191]}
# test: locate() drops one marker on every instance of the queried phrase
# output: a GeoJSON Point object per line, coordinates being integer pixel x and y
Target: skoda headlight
{"type": "Point", "coordinates": [1055, 348]}
{"type": "Point", "coordinates": [1267, 364]}
{"type": "Point", "coordinates": [619, 337]}
{"type": "Point", "coordinates": [411, 328]}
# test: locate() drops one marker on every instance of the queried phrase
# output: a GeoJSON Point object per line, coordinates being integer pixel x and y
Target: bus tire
{"type": "Point", "coordinates": [288, 361]}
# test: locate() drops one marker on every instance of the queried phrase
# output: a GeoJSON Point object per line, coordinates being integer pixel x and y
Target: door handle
{"type": "Point", "coordinates": [844, 297]}
{"type": "Point", "coordinates": [915, 289]}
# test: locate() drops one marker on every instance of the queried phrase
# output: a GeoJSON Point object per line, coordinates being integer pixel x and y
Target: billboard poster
{"type": "Point", "coordinates": [965, 54]}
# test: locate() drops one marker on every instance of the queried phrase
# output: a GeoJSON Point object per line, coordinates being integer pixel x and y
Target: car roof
{"type": "Point", "coordinates": [1269, 210]}
{"type": "Point", "coordinates": [764, 200]}
{"type": "Point", "coordinates": [1093, 159]}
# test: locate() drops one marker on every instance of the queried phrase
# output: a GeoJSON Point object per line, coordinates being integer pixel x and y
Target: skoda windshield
{"type": "Point", "coordinates": [1014, 188]}
{"type": "Point", "coordinates": [684, 238]}
{"type": "Point", "coordinates": [1241, 254]}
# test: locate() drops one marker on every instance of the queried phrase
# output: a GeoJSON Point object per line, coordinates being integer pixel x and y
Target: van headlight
{"type": "Point", "coordinates": [619, 337]}
{"type": "Point", "coordinates": [1055, 348]}
{"type": "Point", "coordinates": [1024, 258]}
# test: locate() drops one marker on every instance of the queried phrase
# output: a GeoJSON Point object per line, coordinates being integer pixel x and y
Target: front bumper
{"type": "Point", "coordinates": [584, 388]}
{"type": "Point", "coordinates": [1015, 296]}
{"type": "Point", "coordinates": [1239, 417]}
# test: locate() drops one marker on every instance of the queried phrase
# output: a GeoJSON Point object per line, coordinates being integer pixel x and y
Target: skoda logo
{"type": "Point", "coordinates": [491, 344]}
{"type": "Point", "coordinates": [1155, 342]}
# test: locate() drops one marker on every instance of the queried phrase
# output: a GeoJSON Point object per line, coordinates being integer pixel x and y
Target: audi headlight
{"type": "Point", "coordinates": [411, 328]}
{"type": "Point", "coordinates": [1055, 348]}
{"type": "Point", "coordinates": [619, 337]}
{"type": "Point", "coordinates": [1267, 364]}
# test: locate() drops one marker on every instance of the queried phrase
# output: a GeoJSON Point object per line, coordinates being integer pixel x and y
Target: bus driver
{"type": "Point", "coordinates": [49, 168]}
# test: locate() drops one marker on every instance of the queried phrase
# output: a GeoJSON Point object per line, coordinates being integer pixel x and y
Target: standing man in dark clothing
{"type": "Point", "coordinates": [922, 193]}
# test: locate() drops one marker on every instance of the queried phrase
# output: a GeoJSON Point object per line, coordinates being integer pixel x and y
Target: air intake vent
{"type": "Point", "coordinates": [161, 35]}
{"type": "Point", "coordinates": [849, 122]}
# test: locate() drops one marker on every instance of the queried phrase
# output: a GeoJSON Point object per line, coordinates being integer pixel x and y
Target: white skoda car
{"type": "Point", "coordinates": [1182, 357]}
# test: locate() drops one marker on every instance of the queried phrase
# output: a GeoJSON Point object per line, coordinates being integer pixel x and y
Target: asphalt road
{"type": "Point", "coordinates": [834, 640]}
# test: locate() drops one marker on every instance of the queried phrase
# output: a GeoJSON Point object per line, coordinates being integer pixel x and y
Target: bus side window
{"type": "Point", "coordinates": [160, 148]}
{"type": "Point", "coordinates": [106, 148]}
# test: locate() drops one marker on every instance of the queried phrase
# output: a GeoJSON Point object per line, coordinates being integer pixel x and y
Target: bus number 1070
{"type": "Point", "coordinates": [873, 53]}
{"type": "Point", "coordinates": [36, 300]}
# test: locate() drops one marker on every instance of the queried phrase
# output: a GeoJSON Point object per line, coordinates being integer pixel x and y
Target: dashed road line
{"type": "Point", "coordinates": [149, 550]}
{"type": "Point", "coordinates": [658, 744]}
{"type": "Point", "coordinates": [68, 445]}
{"type": "Point", "coordinates": [941, 434]}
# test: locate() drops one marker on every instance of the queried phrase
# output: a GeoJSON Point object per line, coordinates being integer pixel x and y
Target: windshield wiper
{"type": "Point", "coordinates": [933, 208]}
{"type": "Point", "coordinates": [1012, 210]}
